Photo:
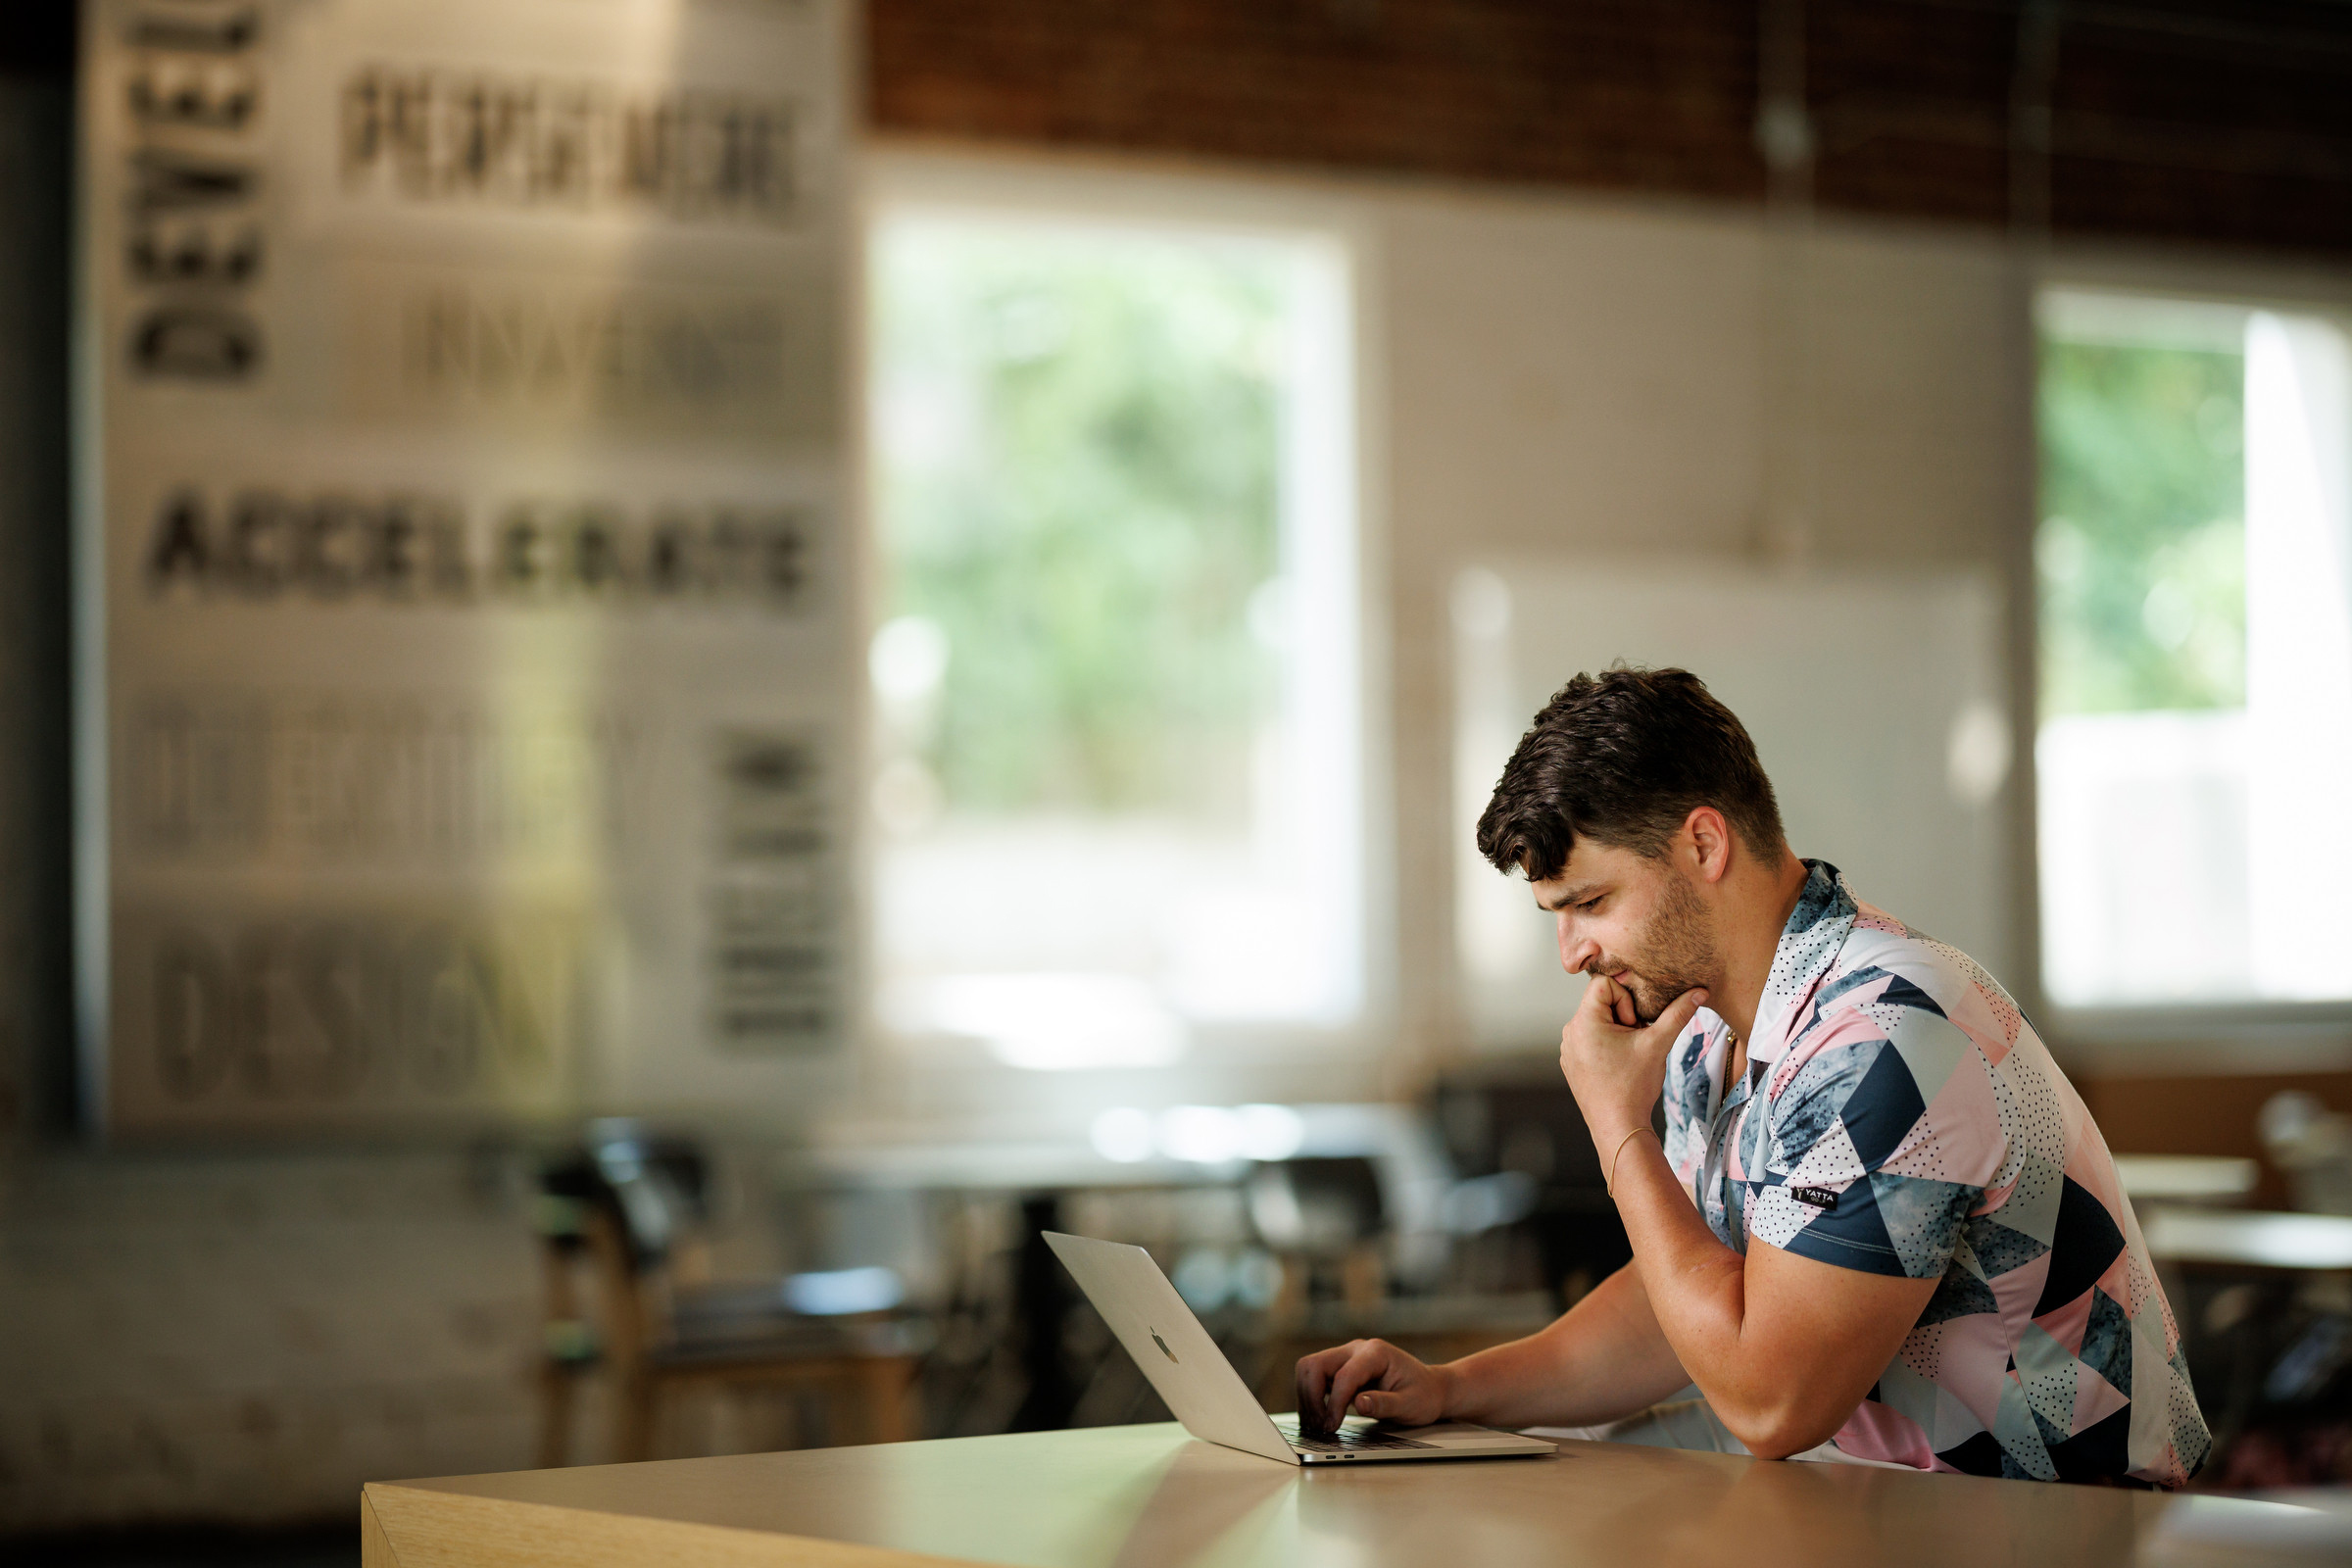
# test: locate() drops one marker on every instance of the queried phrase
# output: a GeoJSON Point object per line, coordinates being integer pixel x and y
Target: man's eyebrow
{"type": "Point", "coordinates": [1575, 894]}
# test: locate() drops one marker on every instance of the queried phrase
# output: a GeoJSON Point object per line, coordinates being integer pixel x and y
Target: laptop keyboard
{"type": "Point", "coordinates": [1346, 1440]}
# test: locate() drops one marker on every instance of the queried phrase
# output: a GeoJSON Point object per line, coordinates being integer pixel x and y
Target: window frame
{"type": "Point", "coordinates": [1347, 1059]}
{"type": "Point", "coordinates": [2194, 1038]}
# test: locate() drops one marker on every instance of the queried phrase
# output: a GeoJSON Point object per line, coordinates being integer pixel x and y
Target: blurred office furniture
{"type": "Point", "coordinates": [1016, 1348]}
{"type": "Point", "coordinates": [1516, 1121]}
{"type": "Point", "coordinates": [2237, 1238]}
{"type": "Point", "coordinates": [1346, 1225]}
{"type": "Point", "coordinates": [2213, 1179]}
{"type": "Point", "coordinates": [1042, 1299]}
{"type": "Point", "coordinates": [1323, 1217]}
{"type": "Point", "coordinates": [622, 1212]}
{"type": "Point", "coordinates": [2265, 1304]}
{"type": "Point", "coordinates": [2313, 1145]}
{"type": "Point", "coordinates": [1328, 1223]}
{"type": "Point", "coordinates": [2313, 1525]}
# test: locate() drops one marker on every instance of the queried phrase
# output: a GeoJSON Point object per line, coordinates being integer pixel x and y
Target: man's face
{"type": "Point", "coordinates": [1637, 920]}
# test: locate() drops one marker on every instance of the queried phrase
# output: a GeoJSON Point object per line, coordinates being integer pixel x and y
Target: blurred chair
{"type": "Point", "coordinates": [2264, 1300]}
{"type": "Point", "coordinates": [1330, 1220]}
{"type": "Point", "coordinates": [1325, 1218]}
{"type": "Point", "coordinates": [624, 1210]}
{"type": "Point", "coordinates": [2313, 1145]}
{"type": "Point", "coordinates": [1519, 1121]}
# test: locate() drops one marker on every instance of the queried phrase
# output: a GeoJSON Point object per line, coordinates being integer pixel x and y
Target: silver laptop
{"type": "Point", "coordinates": [1182, 1362]}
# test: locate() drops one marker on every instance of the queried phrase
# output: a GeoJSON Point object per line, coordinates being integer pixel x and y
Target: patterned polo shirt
{"type": "Point", "coordinates": [1898, 1115]}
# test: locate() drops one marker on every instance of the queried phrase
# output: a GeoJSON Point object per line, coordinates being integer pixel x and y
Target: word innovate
{"type": "Point", "coordinates": [425, 549]}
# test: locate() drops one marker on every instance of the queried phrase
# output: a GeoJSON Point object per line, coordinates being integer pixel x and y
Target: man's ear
{"type": "Point", "coordinates": [1710, 839]}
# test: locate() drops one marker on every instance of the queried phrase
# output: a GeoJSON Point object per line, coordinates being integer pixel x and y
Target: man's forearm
{"type": "Point", "coordinates": [1696, 1291]}
{"type": "Point", "coordinates": [1785, 1347]}
{"type": "Point", "coordinates": [1605, 1358]}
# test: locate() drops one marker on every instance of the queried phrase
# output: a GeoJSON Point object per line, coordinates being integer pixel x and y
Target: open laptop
{"type": "Point", "coordinates": [1181, 1361]}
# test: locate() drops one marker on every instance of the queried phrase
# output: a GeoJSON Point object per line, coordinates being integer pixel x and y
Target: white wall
{"type": "Point", "coordinates": [1571, 379]}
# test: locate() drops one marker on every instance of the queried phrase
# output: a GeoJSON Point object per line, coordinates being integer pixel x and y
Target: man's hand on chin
{"type": "Point", "coordinates": [1614, 1064]}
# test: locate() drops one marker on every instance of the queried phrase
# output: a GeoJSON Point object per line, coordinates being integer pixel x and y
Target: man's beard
{"type": "Point", "coordinates": [1676, 952]}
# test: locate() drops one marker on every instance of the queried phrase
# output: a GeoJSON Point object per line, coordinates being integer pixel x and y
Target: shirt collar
{"type": "Point", "coordinates": [1817, 928]}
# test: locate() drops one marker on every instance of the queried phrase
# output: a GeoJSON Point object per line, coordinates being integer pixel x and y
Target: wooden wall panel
{"type": "Point", "coordinates": [2226, 125]}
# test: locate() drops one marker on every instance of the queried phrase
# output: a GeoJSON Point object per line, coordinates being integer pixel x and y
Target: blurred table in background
{"type": "Point", "coordinates": [2186, 1178]}
{"type": "Point", "coordinates": [1343, 1227]}
{"type": "Point", "coordinates": [2265, 1302]}
{"type": "Point", "coordinates": [628, 1294]}
{"type": "Point", "coordinates": [2236, 1239]}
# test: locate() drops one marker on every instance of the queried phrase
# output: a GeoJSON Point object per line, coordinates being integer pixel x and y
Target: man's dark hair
{"type": "Point", "coordinates": [1624, 757]}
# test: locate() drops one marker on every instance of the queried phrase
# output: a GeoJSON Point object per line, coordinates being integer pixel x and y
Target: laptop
{"type": "Point", "coordinates": [1184, 1364]}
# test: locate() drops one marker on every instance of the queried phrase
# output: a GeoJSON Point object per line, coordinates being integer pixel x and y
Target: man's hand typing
{"type": "Point", "coordinates": [1371, 1378]}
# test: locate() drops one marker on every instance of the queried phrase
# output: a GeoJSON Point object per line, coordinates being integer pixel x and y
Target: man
{"type": "Point", "coordinates": [1880, 1226]}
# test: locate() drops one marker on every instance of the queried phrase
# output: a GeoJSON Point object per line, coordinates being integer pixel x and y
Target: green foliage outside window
{"type": "Point", "coordinates": [2141, 552]}
{"type": "Point", "coordinates": [1077, 483]}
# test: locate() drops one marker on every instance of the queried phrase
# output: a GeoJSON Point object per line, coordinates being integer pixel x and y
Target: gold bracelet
{"type": "Point", "coordinates": [1609, 1185]}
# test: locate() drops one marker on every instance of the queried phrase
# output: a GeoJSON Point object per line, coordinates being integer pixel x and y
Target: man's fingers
{"type": "Point", "coordinates": [1314, 1374]}
{"type": "Point", "coordinates": [1596, 995]}
{"type": "Point", "coordinates": [1679, 1012]}
{"type": "Point", "coordinates": [1311, 1391]}
{"type": "Point", "coordinates": [1612, 1001]}
{"type": "Point", "coordinates": [1314, 1381]}
{"type": "Point", "coordinates": [1601, 998]}
{"type": "Point", "coordinates": [1363, 1368]}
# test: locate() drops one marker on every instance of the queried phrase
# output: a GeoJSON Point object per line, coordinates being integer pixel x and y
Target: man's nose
{"type": "Point", "coordinates": [1576, 954]}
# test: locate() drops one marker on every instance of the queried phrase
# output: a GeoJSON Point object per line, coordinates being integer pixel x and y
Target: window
{"type": "Point", "coordinates": [1117, 789]}
{"type": "Point", "coordinates": [2194, 565]}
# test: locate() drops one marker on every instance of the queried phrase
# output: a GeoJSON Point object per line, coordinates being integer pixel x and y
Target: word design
{"type": "Point", "coordinates": [361, 1009]}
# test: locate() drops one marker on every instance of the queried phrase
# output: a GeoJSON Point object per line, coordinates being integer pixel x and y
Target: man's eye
{"type": "Point", "coordinates": [1590, 905]}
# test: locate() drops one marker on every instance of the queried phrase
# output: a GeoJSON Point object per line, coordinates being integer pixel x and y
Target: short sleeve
{"type": "Point", "coordinates": [1845, 1184]}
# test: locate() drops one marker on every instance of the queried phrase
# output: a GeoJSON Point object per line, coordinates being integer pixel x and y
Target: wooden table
{"type": "Point", "coordinates": [1144, 1496]}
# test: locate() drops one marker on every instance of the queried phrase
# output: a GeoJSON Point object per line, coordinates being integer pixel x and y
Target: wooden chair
{"type": "Point", "coordinates": [620, 1217]}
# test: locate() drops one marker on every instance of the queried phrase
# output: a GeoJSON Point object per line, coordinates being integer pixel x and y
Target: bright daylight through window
{"type": "Point", "coordinates": [2196, 567]}
{"type": "Point", "coordinates": [1115, 662]}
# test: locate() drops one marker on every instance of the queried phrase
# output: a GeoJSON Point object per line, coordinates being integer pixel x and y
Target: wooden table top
{"type": "Point", "coordinates": [1148, 1496]}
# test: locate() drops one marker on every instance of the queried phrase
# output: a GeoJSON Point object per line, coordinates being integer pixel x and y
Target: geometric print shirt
{"type": "Point", "coordinates": [1898, 1115]}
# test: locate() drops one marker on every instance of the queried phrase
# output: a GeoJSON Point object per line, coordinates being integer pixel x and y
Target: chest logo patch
{"type": "Point", "coordinates": [1818, 1196]}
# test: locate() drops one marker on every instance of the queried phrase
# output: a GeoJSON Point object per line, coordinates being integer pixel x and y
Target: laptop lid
{"type": "Point", "coordinates": [1168, 1343]}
